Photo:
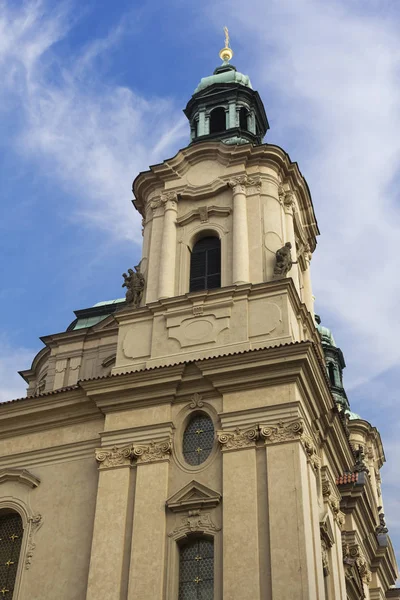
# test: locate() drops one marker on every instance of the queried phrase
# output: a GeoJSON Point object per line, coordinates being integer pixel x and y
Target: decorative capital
{"type": "Point", "coordinates": [241, 182]}
{"type": "Point", "coordinates": [353, 554]}
{"type": "Point", "coordinates": [115, 457]}
{"type": "Point", "coordinates": [282, 432]}
{"type": "Point", "coordinates": [153, 452]}
{"type": "Point", "coordinates": [166, 200]}
{"type": "Point", "coordinates": [237, 439]}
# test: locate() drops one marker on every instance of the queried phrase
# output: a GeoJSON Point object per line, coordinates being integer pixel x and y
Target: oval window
{"type": "Point", "coordinates": [198, 439]}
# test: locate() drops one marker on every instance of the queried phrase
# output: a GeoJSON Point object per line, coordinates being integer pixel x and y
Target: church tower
{"type": "Point", "coordinates": [200, 429]}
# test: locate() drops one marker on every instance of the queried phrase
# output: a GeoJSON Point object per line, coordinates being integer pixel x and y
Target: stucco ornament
{"type": "Point", "coordinates": [115, 457]}
{"type": "Point", "coordinates": [195, 521]}
{"type": "Point", "coordinates": [360, 464]}
{"type": "Point", "coordinates": [155, 451]}
{"type": "Point", "coordinates": [234, 440]}
{"type": "Point", "coordinates": [353, 555]}
{"type": "Point", "coordinates": [282, 432]}
{"type": "Point", "coordinates": [241, 182]}
{"type": "Point", "coordinates": [311, 451]}
{"type": "Point", "coordinates": [36, 521]}
{"type": "Point", "coordinates": [196, 401]}
{"type": "Point", "coordinates": [283, 260]}
{"type": "Point", "coordinates": [134, 283]}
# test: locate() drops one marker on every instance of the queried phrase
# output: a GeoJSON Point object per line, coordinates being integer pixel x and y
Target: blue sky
{"type": "Point", "coordinates": [93, 92]}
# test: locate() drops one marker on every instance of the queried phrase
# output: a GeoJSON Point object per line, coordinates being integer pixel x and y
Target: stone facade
{"type": "Point", "coordinates": [93, 458]}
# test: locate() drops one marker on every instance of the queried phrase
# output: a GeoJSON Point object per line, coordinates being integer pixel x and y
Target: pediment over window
{"type": "Point", "coordinates": [19, 475]}
{"type": "Point", "coordinates": [193, 496]}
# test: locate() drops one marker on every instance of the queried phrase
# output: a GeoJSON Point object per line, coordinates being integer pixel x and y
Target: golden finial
{"type": "Point", "coordinates": [227, 52]}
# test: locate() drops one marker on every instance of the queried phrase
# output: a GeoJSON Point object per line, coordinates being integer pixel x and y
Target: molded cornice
{"type": "Point", "coordinates": [20, 476]}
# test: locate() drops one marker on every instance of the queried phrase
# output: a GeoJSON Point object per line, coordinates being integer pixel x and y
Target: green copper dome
{"type": "Point", "coordinates": [225, 74]}
{"type": "Point", "coordinates": [325, 333]}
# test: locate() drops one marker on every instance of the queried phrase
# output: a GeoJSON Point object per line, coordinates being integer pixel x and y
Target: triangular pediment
{"type": "Point", "coordinates": [193, 496]}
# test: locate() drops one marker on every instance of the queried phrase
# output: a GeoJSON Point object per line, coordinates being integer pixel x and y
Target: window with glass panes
{"type": "Point", "coordinates": [11, 532]}
{"type": "Point", "coordinates": [196, 570]}
{"type": "Point", "coordinates": [205, 264]}
{"type": "Point", "coordinates": [198, 439]}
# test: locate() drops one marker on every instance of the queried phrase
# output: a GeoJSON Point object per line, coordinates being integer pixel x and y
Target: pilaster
{"type": "Point", "coordinates": [241, 577]}
{"type": "Point", "coordinates": [166, 285]}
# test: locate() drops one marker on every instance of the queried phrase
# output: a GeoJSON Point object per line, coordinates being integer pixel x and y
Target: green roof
{"type": "Point", "coordinates": [224, 74]}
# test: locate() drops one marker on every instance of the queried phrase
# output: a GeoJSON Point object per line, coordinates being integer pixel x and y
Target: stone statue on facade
{"type": "Point", "coordinates": [382, 525]}
{"type": "Point", "coordinates": [360, 465]}
{"type": "Point", "coordinates": [134, 283]}
{"type": "Point", "coordinates": [283, 260]}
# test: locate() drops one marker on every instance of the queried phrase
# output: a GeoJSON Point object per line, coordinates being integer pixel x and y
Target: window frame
{"type": "Point", "coordinates": [191, 539]}
{"type": "Point", "coordinates": [183, 420]}
{"type": "Point", "coordinates": [206, 274]}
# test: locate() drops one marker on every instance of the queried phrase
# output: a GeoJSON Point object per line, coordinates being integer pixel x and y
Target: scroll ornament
{"type": "Point", "coordinates": [282, 432]}
{"type": "Point", "coordinates": [114, 457]}
{"type": "Point", "coordinates": [233, 440]}
{"type": "Point", "coordinates": [152, 452]}
{"type": "Point", "coordinates": [239, 183]}
{"type": "Point", "coordinates": [36, 521]}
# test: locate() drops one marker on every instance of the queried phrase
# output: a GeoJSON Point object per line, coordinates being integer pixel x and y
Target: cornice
{"type": "Point", "coordinates": [51, 410]}
{"type": "Point", "coordinates": [22, 476]}
{"type": "Point", "coordinates": [246, 156]}
{"type": "Point", "coordinates": [50, 455]}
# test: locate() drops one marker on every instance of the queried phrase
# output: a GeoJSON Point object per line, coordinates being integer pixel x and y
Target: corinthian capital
{"type": "Point", "coordinates": [166, 200]}
{"type": "Point", "coordinates": [115, 457]}
{"type": "Point", "coordinates": [241, 182]}
{"type": "Point", "coordinates": [155, 451]}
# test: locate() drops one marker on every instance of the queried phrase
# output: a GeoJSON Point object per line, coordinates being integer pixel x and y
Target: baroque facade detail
{"type": "Point", "coordinates": [353, 555]}
{"type": "Point", "coordinates": [195, 521]}
{"type": "Point", "coordinates": [115, 457]}
{"type": "Point", "coordinates": [164, 199]}
{"type": "Point", "coordinates": [311, 451]}
{"type": "Point", "coordinates": [282, 432]}
{"type": "Point", "coordinates": [238, 438]}
{"type": "Point", "coordinates": [35, 521]}
{"type": "Point", "coordinates": [155, 451]}
{"type": "Point", "coordinates": [241, 182]}
{"type": "Point", "coordinates": [196, 400]}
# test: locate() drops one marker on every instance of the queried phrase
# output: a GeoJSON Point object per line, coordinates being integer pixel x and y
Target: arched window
{"type": "Point", "coordinates": [11, 532]}
{"type": "Point", "coordinates": [196, 570]}
{"type": "Point", "coordinates": [331, 370]}
{"type": "Point", "coordinates": [217, 120]}
{"type": "Point", "coordinates": [243, 118]}
{"type": "Point", "coordinates": [198, 439]}
{"type": "Point", "coordinates": [205, 264]}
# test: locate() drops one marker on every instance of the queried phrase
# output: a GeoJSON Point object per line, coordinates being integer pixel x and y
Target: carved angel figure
{"type": "Point", "coordinates": [134, 283]}
{"type": "Point", "coordinates": [283, 258]}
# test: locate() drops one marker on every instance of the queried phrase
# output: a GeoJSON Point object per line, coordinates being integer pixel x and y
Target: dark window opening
{"type": "Point", "coordinates": [217, 120]}
{"type": "Point", "coordinates": [196, 570]}
{"type": "Point", "coordinates": [331, 370]}
{"type": "Point", "coordinates": [243, 118]}
{"type": "Point", "coordinates": [198, 439]}
{"type": "Point", "coordinates": [205, 265]}
{"type": "Point", "coordinates": [11, 532]}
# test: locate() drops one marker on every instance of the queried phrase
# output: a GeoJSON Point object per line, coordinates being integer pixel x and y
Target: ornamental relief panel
{"type": "Point", "coordinates": [239, 438]}
{"type": "Point", "coordinates": [195, 521]}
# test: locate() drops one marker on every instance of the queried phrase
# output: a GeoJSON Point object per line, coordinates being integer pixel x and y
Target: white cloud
{"type": "Point", "coordinates": [334, 69]}
{"type": "Point", "coordinates": [93, 137]}
{"type": "Point", "coordinates": [11, 360]}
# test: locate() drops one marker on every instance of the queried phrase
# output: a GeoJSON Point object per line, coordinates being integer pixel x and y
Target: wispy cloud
{"type": "Point", "coordinates": [91, 136]}
{"type": "Point", "coordinates": [332, 71]}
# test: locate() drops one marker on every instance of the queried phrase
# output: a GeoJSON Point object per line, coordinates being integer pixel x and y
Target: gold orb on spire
{"type": "Point", "coordinates": [227, 52]}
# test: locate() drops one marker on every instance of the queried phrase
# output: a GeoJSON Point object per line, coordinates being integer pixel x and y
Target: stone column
{"type": "Point", "coordinates": [294, 558]}
{"type": "Point", "coordinates": [106, 577]}
{"type": "Point", "coordinates": [241, 576]}
{"type": "Point", "coordinates": [166, 282]}
{"type": "Point", "coordinates": [308, 295]}
{"type": "Point", "coordinates": [154, 219]}
{"type": "Point", "coordinates": [240, 241]}
{"type": "Point", "coordinates": [147, 567]}
{"type": "Point", "coordinates": [287, 200]}
{"type": "Point", "coordinates": [232, 114]}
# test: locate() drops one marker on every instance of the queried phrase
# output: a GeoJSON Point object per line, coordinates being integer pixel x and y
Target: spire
{"type": "Point", "coordinates": [224, 106]}
{"type": "Point", "coordinates": [226, 53]}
